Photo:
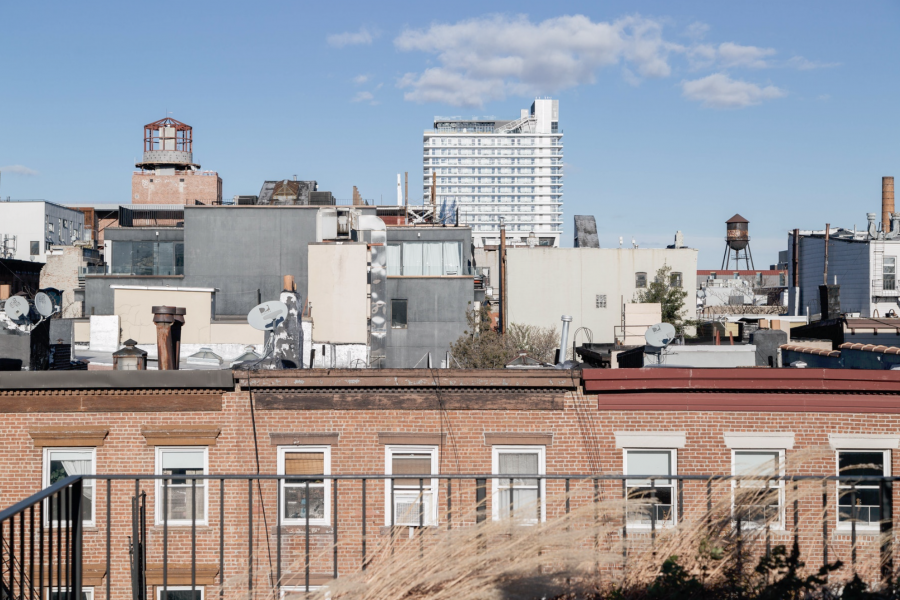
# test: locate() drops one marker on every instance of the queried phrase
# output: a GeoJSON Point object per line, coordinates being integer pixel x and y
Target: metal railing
{"type": "Point", "coordinates": [38, 550]}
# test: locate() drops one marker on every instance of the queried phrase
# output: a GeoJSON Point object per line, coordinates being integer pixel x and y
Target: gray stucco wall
{"type": "Point", "coordinates": [436, 314]}
{"type": "Point", "coordinates": [244, 248]}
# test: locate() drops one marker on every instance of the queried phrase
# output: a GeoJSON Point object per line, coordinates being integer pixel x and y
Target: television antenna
{"type": "Point", "coordinates": [267, 316]}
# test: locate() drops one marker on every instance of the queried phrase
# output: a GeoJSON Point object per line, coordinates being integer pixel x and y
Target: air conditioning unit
{"type": "Point", "coordinates": [406, 509]}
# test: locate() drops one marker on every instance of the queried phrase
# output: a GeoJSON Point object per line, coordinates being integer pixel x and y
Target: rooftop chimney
{"type": "Point", "coordinates": [887, 203]}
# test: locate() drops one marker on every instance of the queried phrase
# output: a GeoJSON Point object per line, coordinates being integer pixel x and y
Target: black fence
{"type": "Point", "coordinates": [41, 544]}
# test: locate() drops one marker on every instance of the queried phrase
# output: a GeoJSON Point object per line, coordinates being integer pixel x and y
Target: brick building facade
{"type": "Point", "coordinates": [182, 187]}
{"type": "Point", "coordinates": [368, 422]}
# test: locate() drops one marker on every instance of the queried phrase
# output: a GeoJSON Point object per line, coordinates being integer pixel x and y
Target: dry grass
{"type": "Point", "coordinates": [581, 554]}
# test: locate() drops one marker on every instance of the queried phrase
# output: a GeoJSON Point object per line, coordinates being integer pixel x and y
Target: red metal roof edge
{"type": "Point", "coordinates": [756, 380]}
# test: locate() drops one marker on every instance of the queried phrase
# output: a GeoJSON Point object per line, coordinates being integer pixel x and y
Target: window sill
{"type": "Point", "coordinates": [314, 529]}
{"type": "Point", "coordinates": [182, 526]}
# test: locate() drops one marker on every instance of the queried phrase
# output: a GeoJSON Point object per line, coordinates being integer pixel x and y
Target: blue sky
{"type": "Point", "coordinates": [676, 115]}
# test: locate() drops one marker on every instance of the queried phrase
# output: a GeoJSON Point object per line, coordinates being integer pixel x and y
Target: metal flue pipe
{"type": "Point", "coordinates": [564, 338]}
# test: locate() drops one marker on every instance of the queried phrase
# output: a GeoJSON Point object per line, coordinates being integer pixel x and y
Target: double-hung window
{"type": "Point", "coordinates": [179, 592]}
{"type": "Point", "coordinates": [303, 495]}
{"type": "Point", "coordinates": [411, 500]}
{"type": "Point", "coordinates": [651, 498]}
{"type": "Point", "coordinates": [60, 463]}
{"type": "Point", "coordinates": [518, 496]}
{"type": "Point", "coordinates": [890, 273]}
{"type": "Point", "coordinates": [87, 593]}
{"type": "Point", "coordinates": [758, 492]}
{"type": "Point", "coordinates": [859, 500]}
{"type": "Point", "coordinates": [185, 497]}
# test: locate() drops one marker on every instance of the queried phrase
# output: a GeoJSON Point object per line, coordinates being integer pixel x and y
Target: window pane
{"type": "Point", "coordinates": [452, 258]}
{"type": "Point", "coordinates": [861, 463]}
{"type": "Point", "coordinates": [412, 258]}
{"type": "Point", "coordinates": [868, 507]}
{"type": "Point", "coordinates": [756, 464]}
{"type": "Point", "coordinates": [524, 463]}
{"type": "Point", "coordinates": [165, 259]}
{"type": "Point", "coordinates": [640, 280]}
{"type": "Point", "coordinates": [649, 462]}
{"type": "Point", "coordinates": [295, 502]}
{"type": "Point", "coordinates": [182, 460]}
{"type": "Point", "coordinates": [398, 314]}
{"type": "Point", "coordinates": [121, 258]}
{"type": "Point", "coordinates": [179, 258]}
{"type": "Point", "coordinates": [180, 594]}
{"type": "Point", "coordinates": [394, 261]}
{"type": "Point", "coordinates": [646, 504]}
{"type": "Point", "coordinates": [432, 253]}
{"type": "Point", "coordinates": [142, 258]}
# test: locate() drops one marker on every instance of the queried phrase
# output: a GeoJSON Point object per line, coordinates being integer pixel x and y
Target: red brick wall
{"type": "Point", "coordinates": [181, 188]}
{"type": "Point", "coordinates": [583, 442]}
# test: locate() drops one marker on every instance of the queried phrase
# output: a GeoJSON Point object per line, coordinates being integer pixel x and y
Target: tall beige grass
{"type": "Point", "coordinates": [582, 554]}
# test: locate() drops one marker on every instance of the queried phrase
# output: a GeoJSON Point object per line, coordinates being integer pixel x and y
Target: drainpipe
{"type": "Point", "coordinates": [502, 263]}
{"type": "Point", "coordinates": [164, 317]}
{"type": "Point", "coordinates": [564, 338]}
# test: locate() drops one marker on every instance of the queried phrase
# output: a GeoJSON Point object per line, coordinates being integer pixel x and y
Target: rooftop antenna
{"type": "Point", "coordinates": [16, 308]}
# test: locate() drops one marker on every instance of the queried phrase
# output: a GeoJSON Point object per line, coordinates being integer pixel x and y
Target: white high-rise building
{"type": "Point", "coordinates": [486, 170]}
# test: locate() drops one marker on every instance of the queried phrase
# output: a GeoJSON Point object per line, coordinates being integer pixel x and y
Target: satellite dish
{"type": "Point", "coordinates": [660, 335]}
{"type": "Point", "coordinates": [16, 307]}
{"type": "Point", "coordinates": [267, 315]}
{"type": "Point", "coordinates": [44, 304]}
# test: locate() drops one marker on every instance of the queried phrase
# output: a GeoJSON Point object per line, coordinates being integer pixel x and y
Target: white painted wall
{"type": "Point", "coordinates": [28, 222]}
{"type": "Point", "coordinates": [545, 283]}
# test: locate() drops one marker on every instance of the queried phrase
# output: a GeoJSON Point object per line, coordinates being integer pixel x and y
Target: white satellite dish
{"type": "Point", "coordinates": [16, 307]}
{"type": "Point", "coordinates": [44, 304]}
{"type": "Point", "coordinates": [267, 315]}
{"type": "Point", "coordinates": [660, 335]}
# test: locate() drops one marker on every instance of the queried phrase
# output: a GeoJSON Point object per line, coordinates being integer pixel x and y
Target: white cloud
{"type": "Point", "coordinates": [352, 38]}
{"type": "Point", "coordinates": [360, 79]}
{"type": "Point", "coordinates": [720, 91]}
{"type": "Point", "coordinates": [696, 30]}
{"type": "Point", "coordinates": [804, 64]}
{"type": "Point", "coordinates": [487, 58]}
{"type": "Point", "coordinates": [363, 97]}
{"type": "Point", "coordinates": [18, 170]}
{"type": "Point", "coordinates": [729, 54]}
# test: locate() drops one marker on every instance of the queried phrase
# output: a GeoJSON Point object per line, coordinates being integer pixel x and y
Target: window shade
{"type": "Point", "coordinates": [411, 465]}
{"type": "Point", "coordinates": [304, 463]}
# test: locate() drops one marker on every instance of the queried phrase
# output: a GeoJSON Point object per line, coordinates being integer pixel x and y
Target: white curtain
{"type": "Point", "coordinates": [394, 261]}
{"type": "Point", "coordinates": [412, 258]}
{"type": "Point", "coordinates": [452, 258]}
{"type": "Point", "coordinates": [432, 254]}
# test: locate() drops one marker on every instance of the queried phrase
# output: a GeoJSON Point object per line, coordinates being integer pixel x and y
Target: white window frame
{"type": "Point", "coordinates": [177, 588]}
{"type": "Point", "coordinates": [745, 525]}
{"type": "Point", "coordinates": [674, 454]}
{"type": "Point", "coordinates": [389, 451]}
{"type": "Point", "coordinates": [326, 450]}
{"type": "Point", "coordinates": [87, 522]}
{"type": "Point", "coordinates": [496, 451]}
{"type": "Point", "coordinates": [160, 450]}
{"type": "Point", "coordinates": [298, 589]}
{"type": "Point", "coordinates": [88, 590]}
{"type": "Point", "coordinates": [846, 525]}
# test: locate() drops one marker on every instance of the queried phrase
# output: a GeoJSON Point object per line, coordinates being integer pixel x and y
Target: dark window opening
{"type": "Point", "coordinates": [398, 314]}
{"type": "Point", "coordinates": [35, 248]}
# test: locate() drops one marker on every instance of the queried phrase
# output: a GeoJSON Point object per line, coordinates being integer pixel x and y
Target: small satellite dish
{"type": "Point", "coordinates": [44, 304]}
{"type": "Point", "coordinates": [660, 335]}
{"type": "Point", "coordinates": [17, 307]}
{"type": "Point", "coordinates": [267, 315]}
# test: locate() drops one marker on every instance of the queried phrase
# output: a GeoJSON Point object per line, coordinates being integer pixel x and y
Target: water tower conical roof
{"type": "Point", "coordinates": [737, 219]}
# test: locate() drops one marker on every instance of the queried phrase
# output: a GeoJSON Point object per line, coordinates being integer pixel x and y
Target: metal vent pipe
{"type": "Point", "coordinates": [564, 338]}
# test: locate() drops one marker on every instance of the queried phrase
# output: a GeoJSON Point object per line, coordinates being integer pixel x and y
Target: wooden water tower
{"type": "Point", "coordinates": [737, 243]}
